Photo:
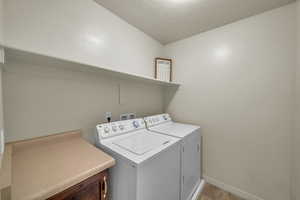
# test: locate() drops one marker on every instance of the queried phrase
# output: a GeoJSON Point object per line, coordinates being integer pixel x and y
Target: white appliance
{"type": "Point", "coordinates": [191, 181]}
{"type": "Point", "coordinates": [147, 164]}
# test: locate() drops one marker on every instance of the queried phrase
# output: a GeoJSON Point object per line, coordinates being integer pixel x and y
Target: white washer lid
{"type": "Point", "coordinates": [175, 129]}
{"type": "Point", "coordinates": [140, 144]}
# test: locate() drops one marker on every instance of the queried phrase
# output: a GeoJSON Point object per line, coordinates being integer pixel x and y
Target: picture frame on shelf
{"type": "Point", "coordinates": [163, 69]}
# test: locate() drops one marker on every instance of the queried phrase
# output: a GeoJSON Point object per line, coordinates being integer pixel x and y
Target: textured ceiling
{"type": "Point", "coordinates": [171, 20]}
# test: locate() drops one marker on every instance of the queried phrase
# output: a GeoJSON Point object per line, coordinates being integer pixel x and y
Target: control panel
{"type": "Point", "coordinates": [157, 119]}
{"type": "Point", "coordinates": [112, 129]}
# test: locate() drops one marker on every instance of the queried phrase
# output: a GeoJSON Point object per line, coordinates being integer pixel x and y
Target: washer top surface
{"type": "Point", "coordinates": [132, 141]}
{"type": "Point", "coordinates": [138, 146]}
{"type": "Point", "coordinates": [141, 143]}
{"type": "Point", "coordinates": [164, 124]}
{"type": "Point", "coordinates": [174, 129]}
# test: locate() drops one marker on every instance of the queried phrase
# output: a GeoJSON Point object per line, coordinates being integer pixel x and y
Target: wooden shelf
{"type": "Point", "coordinates": [12, 54]}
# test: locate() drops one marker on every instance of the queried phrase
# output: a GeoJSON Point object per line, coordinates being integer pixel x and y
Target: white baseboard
{"type": "Point", "coordinates": [236, 191]}
{"type": "Point", "coordinates": [199, 190]}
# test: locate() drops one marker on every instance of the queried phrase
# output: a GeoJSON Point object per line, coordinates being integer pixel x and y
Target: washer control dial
{"type": "Point", "coordinates": [135, 124]}
{"type": "Point", "coordinates": [121, 127]}
{"type": "Point", "coordinates": [106, 130]}
{"type": "Point", "coordinates": [114, 128]}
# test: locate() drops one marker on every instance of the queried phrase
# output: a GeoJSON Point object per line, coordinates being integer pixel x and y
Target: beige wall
{"type": "Point", "coordinates": [1, 110]}
{"type": "Point", "coordinates": [1, 21]}
{"type": "Point", "coordinates": [238, 85]}
{"type": "Point", "coordinates": [296, 136]}
{"type": "Point", "coordinates": [79, 30]}
{"type": "Point", "coordinates": [42, 99]}
{"type": "Point", "coordinates": [1, 98]}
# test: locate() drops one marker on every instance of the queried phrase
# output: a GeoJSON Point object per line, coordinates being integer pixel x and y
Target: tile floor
{"type": "Point", "coordinates": [211, 192]}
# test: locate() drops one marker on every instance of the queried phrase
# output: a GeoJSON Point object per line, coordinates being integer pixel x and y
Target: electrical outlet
{"type": "Point", "coordinates": [127, 116]}
{"type": "Point", "coordinates": [123, 117]}
{"type": "Point", "coordinates": [131, 116]}
{"type": "Point", "coordinates": [108, 116]}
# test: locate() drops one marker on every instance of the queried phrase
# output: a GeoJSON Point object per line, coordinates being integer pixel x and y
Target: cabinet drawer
{"type": "Point", "coordinates": [93, 188]}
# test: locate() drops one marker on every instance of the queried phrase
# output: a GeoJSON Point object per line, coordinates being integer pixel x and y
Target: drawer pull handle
{"type": "Point", "coordinates": [105, 187]}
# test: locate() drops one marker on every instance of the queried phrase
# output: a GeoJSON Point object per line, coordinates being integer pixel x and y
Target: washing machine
{"type": "Point", "coordinates": [190, 139]}
{"type": "Point", "coordinates": [147, 163]}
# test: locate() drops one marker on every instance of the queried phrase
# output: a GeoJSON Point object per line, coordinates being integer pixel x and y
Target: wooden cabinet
{"type": "Point", "coordinates": [93, 188]}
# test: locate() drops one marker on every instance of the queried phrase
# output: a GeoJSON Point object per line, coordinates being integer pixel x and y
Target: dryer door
{"type": "Point", "coordinates": [191, 166]}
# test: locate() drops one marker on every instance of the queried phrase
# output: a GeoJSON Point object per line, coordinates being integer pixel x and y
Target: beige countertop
{"type": "Point", "coordinates": [46, 166]}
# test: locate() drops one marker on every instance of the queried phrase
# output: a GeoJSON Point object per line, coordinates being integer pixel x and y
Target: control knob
{"type": "Point", "coordinates": [106, 129]}
{"type": "Point", "coordinates": [114, 128]}
{"type": "Point", "coordinates": [135, 124]}
{"type": "Point", "coordinates": [121, 127]}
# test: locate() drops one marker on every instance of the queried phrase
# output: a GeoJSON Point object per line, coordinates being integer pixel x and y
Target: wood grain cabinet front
{"type": "Point", "coordinates": [93, 188]}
